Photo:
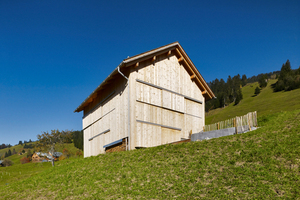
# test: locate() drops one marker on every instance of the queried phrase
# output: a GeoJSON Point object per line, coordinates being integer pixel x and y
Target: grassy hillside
{"type": "Point", "coordinates": [262, 164]}
{"type": "Point", "coordinates": [18, 172]}
{"type": "Point", "coordinates": [267, 102]}
{"type": "Point", "coordinates": [16, 147]}
{"type": "Point", "coordinates": [21, 171]}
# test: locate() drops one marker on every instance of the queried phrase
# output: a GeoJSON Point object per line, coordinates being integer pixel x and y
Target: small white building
{"type": "Point", "coordinates": [150, 99]}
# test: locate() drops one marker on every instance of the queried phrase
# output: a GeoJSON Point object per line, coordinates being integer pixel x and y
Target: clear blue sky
{"type": "Point", "coordinates": [53, 54]}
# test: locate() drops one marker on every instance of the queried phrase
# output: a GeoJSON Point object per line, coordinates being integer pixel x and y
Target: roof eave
{"type": "Point", "coordinates": [81, 106]}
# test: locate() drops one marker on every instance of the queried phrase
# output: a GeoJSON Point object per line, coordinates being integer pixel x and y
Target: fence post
{"type": "Point", "coordinates": [255, 119]}
{"type": "Point", "coordinates": [235, 125]}
{"type": "Point", "coordinates": [203, 128]}
{"type": "Point", "coordinates": [248, 116]}
{"type": "Point", "coordinates": [218, 125]}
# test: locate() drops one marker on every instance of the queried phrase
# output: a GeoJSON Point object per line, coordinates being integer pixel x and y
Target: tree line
{"type": "Point", "coordinates": [25, 142]}
{"type": "Point", "coordinates": [231, 90]}
{"type": "Point", "coordinates": [226, 92]}
{"type": "Point", "coordinates": [3, 146]}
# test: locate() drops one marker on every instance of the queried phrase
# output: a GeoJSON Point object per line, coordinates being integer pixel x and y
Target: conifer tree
{"type": "Point", "coordinates": [257, 91]}
{"type": "Point", "coordinates": [244, 80]}
{"type": "Point", "coordinates": [288, 79]}
{"type": "Point", "coordinates": [9, 152]}
{"type": "Point", "coordinates": [29, 154]}
{"type": "Point", "coordinates": [263, 81]}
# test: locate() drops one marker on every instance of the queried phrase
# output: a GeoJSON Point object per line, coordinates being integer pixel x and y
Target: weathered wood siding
{"type": "Point", "coordinates": [160, 110]}
{"type": "Point", "coordinates": [112, 114]}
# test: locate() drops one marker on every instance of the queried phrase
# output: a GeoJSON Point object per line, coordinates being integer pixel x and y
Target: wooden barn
{"type": "Point", "coordinates": [150, 99]}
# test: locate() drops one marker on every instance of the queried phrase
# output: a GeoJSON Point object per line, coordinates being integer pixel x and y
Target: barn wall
{"type": "Point", "coordinates": [157, 116]}
{"type": "Point", "coordinates": [160, 116]}
{"type": "Point", "coordinates": [112, 115]}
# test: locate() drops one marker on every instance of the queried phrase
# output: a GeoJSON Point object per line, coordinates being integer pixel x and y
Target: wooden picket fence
{"type": "Point", "coordinates": [241, 123]}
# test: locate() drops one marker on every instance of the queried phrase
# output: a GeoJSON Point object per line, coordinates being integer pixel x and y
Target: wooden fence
{"type": "Point", "coordinates": [241, 123]}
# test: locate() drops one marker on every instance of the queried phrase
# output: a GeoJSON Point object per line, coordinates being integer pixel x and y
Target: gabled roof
{"type": "Point", "coordinates": [135, 60]}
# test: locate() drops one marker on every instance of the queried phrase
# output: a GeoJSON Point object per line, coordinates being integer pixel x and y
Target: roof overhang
{"type": "Point", "coordinates": [135, 60]}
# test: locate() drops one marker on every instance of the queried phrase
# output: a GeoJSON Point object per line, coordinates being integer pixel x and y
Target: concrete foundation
{"type": "Point", "coordinates": [218, 133]}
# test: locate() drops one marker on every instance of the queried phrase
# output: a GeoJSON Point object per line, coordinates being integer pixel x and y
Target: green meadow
{"type": "Point", "coordinates": [267, 102]}
{"type": "Point", "coordinates": [20, 171]}
{"type": "Point", "coordinates": [262, 164]}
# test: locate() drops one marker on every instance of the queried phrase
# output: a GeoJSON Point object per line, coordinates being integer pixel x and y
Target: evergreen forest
{"type": "Point", "coordinates": [231, 91]}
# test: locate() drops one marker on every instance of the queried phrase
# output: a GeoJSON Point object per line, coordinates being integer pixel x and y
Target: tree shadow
{"type": "Point", "coordinates": [273, 86]}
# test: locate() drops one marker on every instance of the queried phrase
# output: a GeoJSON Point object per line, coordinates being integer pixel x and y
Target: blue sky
{"type": "Point", "coordinates": [53, 54]}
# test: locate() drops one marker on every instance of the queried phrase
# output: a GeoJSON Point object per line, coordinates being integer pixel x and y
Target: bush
{"type": "Point", "coordinates": [6, 162]}
{"type": "Point", "coordinates": [66, 153]}
{"type": "Point", "coordinates": [24, 160]}
{"type": "Point", "coordinates": [79, 153]}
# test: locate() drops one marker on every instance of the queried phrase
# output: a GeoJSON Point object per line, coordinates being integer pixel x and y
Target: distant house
{"type": "Point", "coordinates": [40, 157]}
{"type": "Point", "coordinates": [56, 154]}
{"type": "Point", "coordinates": [45, 157]}
{"type": "Point", "coordinates": [150, 99]}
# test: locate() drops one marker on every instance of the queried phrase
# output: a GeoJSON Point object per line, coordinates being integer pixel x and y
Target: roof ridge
{"type": "Point", "coordinates": [131, 57]}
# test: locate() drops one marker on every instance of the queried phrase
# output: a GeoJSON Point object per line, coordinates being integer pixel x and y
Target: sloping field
{"type": "Point", "coordinates": [267, 102]}
{"type": "Point", "coordinates": [20, 171]}
{"type": "Point", "coordinates": [16, 147]}
{"type": "Point", "coordinates": [263, 164]}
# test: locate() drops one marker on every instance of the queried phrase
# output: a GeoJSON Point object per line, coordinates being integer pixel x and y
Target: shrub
{"type": "Point", "coordinates": [79, 153]}
{"type": "Point", "coordinates": [66, 153]}
{"type": "Point", "coordinates": [24, 160]}
{"type": "Point", "coordinates": [6, 162]}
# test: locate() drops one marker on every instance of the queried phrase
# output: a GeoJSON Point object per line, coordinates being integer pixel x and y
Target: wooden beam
{"type": "Point", "coordinates": [154, 58]}
{"type": "Point", "coordinates": [180, 59]}
{"type": "Point", "coordinates": [193, 76]}
{"type": "Point", "coordinates": [178, 52]}
{"type": "Point", "coordinates": [169, 53]}
{"type": "Point", "coordinates": [136, 65]}
{"type": "Point", "coordinates": [204, 92]}
{"type": "Point", "coordinates": [190, 68]}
